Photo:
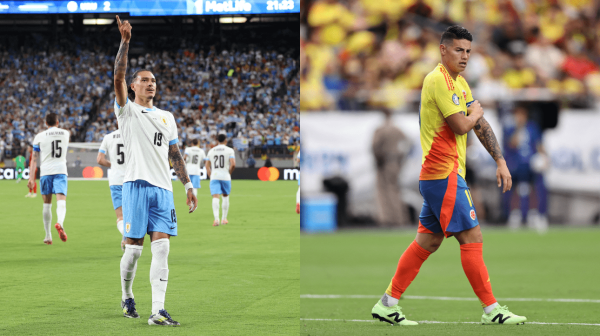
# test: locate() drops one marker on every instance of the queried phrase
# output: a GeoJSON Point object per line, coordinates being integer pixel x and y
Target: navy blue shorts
{"type": "Point", "coordinates": [447, 206]}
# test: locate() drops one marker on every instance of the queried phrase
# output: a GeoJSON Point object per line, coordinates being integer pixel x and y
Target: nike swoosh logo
{"type": "Point", "coordinates": [144, 111]}
{"type": "Point", "coordinates": [127, 280]}
{"type": "Point", "coordinates": [164, 280]}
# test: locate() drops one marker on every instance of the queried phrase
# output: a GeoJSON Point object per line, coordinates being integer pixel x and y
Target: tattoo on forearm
{"type": "Point", "coordinates": [178, 164]}
{"type": "Point", "coordinates": [486, 136]}
{"type": "Point", "coordinates": [121, 60]}
{"type": "Point", "coordinates": [34, 159]}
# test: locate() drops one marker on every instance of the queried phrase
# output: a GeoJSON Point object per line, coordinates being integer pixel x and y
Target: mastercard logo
{"type": "Point", "coordinates": [268, 174]}
{"type": "Point", "coordinates": [93, 172]}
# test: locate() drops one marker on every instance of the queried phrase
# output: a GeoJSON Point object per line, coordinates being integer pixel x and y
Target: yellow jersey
{"type": "Point", "coordinates": [444, 151]}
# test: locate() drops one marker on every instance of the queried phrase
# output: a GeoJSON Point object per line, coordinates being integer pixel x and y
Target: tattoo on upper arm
{"type": "Point", "coordinates": [486, 136]}
{"type": "Point", "coordinates": [121, 60]}
{"type": "Point", "coordinates": [178, 163]}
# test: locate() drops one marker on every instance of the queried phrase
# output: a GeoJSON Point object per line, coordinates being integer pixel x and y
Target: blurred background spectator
{"type": "Point", "coordinates": [357, 55]}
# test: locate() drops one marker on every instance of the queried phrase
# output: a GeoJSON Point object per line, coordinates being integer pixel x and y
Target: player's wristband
{"type": "Point", "coordinates": [188, 186]}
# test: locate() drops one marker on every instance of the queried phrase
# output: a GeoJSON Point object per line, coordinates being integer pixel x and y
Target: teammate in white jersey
{"type": "Point", "coordinates": [194, 158]}
{"type": "Point", "coordinates": [220, 163]}
{"type": "Point", "coordinates": [150, 140]}
{"type": "Point", "coordinates": [112, 144]}
{"type": "Point", "coordinates": [52, 144]}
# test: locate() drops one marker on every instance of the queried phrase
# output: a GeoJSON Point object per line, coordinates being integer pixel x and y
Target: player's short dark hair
{"type": "Point", "coordinates": [51, 119]}
{"type": "Point", "coordinates": [195, 142]}
{"type": "Point", "coordinates": [130, 92]}
{"type": "Point", "coordinates": [221, 137]}
{"type": "Point", "coordinates": [455, 32]}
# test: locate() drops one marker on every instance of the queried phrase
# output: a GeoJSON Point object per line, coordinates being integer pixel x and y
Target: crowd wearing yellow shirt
{"type": "Point", "coordinates": [363, 54]}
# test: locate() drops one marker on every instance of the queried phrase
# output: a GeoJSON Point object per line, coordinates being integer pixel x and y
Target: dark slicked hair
{"type": "Point", "coordinates": [195, 142]}
{"type": "Point", "coordinates": [455, 33]}
{"type": "Point", "coordinates": [130, 91]}
{"type": "Point", "coordinates": [51, 119]}
{"type": "Point", "coordinates": [221, 137]}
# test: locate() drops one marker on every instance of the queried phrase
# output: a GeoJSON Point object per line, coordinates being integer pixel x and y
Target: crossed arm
{"type": "Point", "coordinates": [461, 123]}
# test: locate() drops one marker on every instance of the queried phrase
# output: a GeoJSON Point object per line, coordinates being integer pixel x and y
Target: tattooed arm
{"type": "Point", "coordinates": [32, 168]}
{"type": "Point", "coordinates": [178, 163]}
{"type": "Point", "coordinates": [486, 136]}
{"type": "Point", "coordinates": [179, 167]}
{"type": "Point", "coordinates": [121, 62]}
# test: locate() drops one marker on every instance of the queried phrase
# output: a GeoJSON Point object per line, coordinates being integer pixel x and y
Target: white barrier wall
{"type": "Point", "coordinates": [574, 146]}
{"type": "Point", "coordinates": [339, 143]}
{"type": "Point", "coordinates": [336, 143]}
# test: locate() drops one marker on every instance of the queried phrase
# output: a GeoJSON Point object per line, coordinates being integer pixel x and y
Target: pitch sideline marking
{"type": "Point", "coordinates": [440, 298]}
{"type": "Point", "coordinates": [442, 322]}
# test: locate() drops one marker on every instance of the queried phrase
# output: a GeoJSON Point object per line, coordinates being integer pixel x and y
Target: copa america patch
{"type": "Point", "coordinates": [128, 226]}
{"type": "Point", "coordinates": [455, 99]}
{"type": "Point", "coordinates": [472, 215]}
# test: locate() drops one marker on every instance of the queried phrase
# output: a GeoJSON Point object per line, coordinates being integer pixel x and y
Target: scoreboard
{"type": "Point", "coordinates": [153, 7]}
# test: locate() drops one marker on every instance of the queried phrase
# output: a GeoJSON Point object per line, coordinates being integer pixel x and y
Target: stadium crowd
{"type": "Point", "coordinates": [252, 94]}
{"type": "Point", "coordinates": [359, 54]}
{"type": "Point", "coordinates": [37, 80]}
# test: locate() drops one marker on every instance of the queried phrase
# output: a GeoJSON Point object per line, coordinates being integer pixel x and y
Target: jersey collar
{"type": "Point", "coordinates": [445, 71]}
{"type": "Point", "coordinates": [145, 108]}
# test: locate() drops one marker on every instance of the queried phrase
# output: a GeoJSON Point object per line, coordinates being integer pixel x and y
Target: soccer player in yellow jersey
{"type": "Point", "coordinates": [447, 113]}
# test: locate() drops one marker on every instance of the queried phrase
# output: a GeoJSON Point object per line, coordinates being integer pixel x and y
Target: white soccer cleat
{"type": "Point", "coordinates": [216, 222]}
{"type": "Point", "coordinates": [28, 195]}
{"type": "Point", "coordinates": [48, 241]}
{"type": "Point", "coordinates": [224, 221]}
{"type": "Point", "coordinates": [33, 195]}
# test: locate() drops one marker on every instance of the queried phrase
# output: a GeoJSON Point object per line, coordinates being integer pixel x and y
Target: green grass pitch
{"type": "Point", "coordinates": [562, 264]}
{"type": "Point", "coordinates": [238, 279]}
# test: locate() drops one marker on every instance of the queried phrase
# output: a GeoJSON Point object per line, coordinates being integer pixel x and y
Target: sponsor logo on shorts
{"type": "Point", "coordinates": [128, 226]}
{"type": "Point", "coordinates": [472, 215]}
{"type": "Point", "coordinates": [455, 99]}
